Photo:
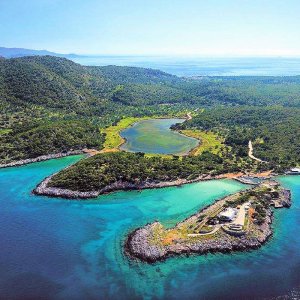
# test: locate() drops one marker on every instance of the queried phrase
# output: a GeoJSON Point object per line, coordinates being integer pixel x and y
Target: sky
{"type": "Point", "coordinates": [154, 27]}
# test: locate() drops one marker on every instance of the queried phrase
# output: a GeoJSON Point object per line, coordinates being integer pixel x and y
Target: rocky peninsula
{"type": "Point", "coordinates": [238, 222]}
{"type": "Point", "coordinates": [44, 189]}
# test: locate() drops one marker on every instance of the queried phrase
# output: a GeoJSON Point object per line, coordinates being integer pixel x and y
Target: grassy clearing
{"type": "Point", "coordinates": [209, 141]}
{"type": "Point", "coordinates": [5, 131]}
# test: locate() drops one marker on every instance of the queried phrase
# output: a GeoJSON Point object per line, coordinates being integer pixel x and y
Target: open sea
{"type": "Point", "coordinates": [67, 249]}
{"type": "Point", "coordinates": [202, 66]}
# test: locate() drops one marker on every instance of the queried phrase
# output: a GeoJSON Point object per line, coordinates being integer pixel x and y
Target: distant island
{"type": "Point", "coordinates": [237, 222]}
{"type": "Point", "coordinates": [21, 52]}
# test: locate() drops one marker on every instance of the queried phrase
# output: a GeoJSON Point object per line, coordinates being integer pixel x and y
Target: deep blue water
{"type": "Point", "coordinates": [202, 66]}
{"type": "Point", "coordinates": [65, 249]}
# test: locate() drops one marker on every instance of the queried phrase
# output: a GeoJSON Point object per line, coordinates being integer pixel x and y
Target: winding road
{"type": "Point", "coordinates": [250, 153]}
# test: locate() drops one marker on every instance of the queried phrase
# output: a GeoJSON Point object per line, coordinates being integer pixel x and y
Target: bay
{"type": "Point", "coordinates": [66, 249]}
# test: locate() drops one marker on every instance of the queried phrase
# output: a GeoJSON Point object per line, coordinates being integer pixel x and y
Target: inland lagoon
{"type": "Point", "coordinates": [65, 249]}
{"type": "Point", "coordinates": [155, 136]}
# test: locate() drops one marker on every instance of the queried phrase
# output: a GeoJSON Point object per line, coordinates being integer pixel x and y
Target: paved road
{"type": "Point", "coordinates": [240, 218]}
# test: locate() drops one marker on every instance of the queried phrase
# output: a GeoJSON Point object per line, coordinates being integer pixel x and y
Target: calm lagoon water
{"type": "Point", "coordinates": [155, 136]}
{"type": "Point", "coordinates": [65, 249]}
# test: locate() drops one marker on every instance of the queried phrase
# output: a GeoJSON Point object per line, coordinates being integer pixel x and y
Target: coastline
{"type": "Point", "coordinates": [41, 158]}
{"type": "Point", "coordinates": [150, 243]}
{"type": "Point", "coordinates": [44, 190]}
{"type": "Point", "coordinates": [136, 242]}
{"type": "Point", "coordinates": [89, 152]}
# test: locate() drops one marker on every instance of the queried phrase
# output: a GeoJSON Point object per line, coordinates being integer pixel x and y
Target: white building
{"type": "Point", "coordinates": [229, 214]}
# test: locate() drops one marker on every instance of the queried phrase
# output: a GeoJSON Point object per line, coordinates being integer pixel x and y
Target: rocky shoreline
{"type": "Point", "coordinates": [40, 158]}
{"type": "Point", "coordinates": [45, 190]}
{"type": "Point", "coordinates": [137, 246]}
{"type": "Point", "coordinates": [140, 244]}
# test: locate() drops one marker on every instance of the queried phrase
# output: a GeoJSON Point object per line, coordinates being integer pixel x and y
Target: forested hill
{"type": "Point", "coordinates": [49, 82]}
{"type": "Point", "coordinates": [253, 90]}
{"type": "Point", "coordinates": [19, 52]}
{"type": "Point", "coordinates": [39, 90]}
{"type": "Point", "coordinates": [274, 131]}
{"type": "Point", "coordinates": [59, 84]}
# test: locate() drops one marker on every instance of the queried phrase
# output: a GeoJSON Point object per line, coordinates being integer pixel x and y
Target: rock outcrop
{"type": "Point", "coordinates": [43, 189]}
{"type": "Point", "coordinates": [152, 243]}
{"type": "Point", "coordinates": [138, 246]}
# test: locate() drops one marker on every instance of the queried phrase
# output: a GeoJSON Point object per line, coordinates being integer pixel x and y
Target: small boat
{"type": "Point", "coordinates": [294, 171]}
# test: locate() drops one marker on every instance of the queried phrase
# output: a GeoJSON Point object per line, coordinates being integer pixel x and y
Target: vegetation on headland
{"type": "Point", "coordinates": [237, 222]}
{"type": "Point", "coordinates": [102, 170]}
{"type": "Point", "coordinates": [48, 138]}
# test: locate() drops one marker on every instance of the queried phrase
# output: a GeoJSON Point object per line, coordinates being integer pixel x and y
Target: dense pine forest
{"type": "Point", "coordinates": [274, 132]}
{"type": "Point", "coordinates": [50, 104]}
{"type": "Point", "coordinates": [99, 171]}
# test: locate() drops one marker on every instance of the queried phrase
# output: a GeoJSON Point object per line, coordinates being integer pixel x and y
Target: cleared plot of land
{"type": "Point", "coordinates": [209, 141]}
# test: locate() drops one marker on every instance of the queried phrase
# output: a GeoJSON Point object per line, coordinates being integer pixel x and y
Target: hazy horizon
{"type": "Point", "coordinates": [186, 66]}
{"type": "Point", "coordinates": [164, 55]}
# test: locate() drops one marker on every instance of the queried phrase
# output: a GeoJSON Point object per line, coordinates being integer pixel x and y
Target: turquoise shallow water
{"type": "Point", "coordinates": [155, 136]}
{"type": "Point", "coordinates": [63, 249]}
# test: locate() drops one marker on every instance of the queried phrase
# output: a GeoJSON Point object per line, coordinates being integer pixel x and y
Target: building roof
{"type": "Point", "coordinates": [228, 213]}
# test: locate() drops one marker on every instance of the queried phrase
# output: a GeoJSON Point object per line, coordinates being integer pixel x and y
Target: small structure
{"type": "Point", "coordinates": [228, 215]}
{"type": "Point", "coordinates": [234, 229]}
{"type": "Point", "coordinates": [294, 171]}
{"type": "Point", "coordinates": [270, 183]}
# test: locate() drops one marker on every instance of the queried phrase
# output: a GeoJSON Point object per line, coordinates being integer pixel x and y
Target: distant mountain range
{"type": "Point", "coordinates": [20, 52]}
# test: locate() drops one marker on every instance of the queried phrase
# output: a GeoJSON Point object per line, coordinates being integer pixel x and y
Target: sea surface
{"type": "Point", "coordinates": [155, 136]}
{"type": "Point", "coordinates": [67, 249]}
{"type": "Point", "coordinates": [202, 66]}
